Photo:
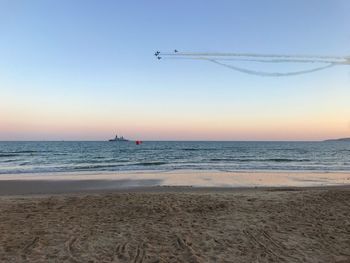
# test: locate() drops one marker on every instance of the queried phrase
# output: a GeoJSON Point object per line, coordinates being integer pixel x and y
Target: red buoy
{"type": "Point", "coordinates": [138, 142]}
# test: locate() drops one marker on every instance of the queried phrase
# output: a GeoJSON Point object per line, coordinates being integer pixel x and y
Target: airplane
{"type": "Point", "coordinates": [157, 53]}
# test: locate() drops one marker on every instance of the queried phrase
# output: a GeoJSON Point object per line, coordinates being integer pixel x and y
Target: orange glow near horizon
{"type": "Point", "coordinates": [38, 117]}
{"type": "Point", "coordinates": [45, 126]}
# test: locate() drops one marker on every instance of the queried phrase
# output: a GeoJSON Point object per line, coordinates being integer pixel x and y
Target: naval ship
{"type": "Point", "coordinates": [118, 139]}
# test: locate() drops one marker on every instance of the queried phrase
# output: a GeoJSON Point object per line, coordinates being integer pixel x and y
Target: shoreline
{"type": "Point", "coordinates": [102, 182]}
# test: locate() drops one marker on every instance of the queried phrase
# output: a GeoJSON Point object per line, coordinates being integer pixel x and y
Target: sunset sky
{"type": "Point", "coordinates": [84, 70]}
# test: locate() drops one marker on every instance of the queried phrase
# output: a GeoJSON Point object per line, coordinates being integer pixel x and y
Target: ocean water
{"type": "Point", "coordinates": [48, 157]}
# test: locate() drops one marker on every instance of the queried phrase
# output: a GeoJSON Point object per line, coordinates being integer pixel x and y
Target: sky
{"type": "Point", "coordinates": [84, 70]}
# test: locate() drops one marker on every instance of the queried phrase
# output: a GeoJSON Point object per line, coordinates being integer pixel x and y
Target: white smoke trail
{"type": "Point", "coordinates": [199, 54]}
{"type": "Point", "coordinates": [271, 74]}
{"type": "Point", "coordinates": [261, 58]}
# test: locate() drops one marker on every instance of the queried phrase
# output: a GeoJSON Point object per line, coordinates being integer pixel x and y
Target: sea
{"type": "Point", "coordinates": [58, 157]}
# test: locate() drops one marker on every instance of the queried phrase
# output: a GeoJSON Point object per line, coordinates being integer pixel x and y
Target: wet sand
{"type": "Point", "coordinates": [13, 184]}
{"type": "Point", "coordinates": [178, 224]}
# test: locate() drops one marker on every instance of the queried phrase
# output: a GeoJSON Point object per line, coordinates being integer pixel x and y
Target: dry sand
{"type": "Point", "coordinates": [175, 224]}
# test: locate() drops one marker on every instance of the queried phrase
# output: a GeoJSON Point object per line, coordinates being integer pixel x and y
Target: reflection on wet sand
{"type": "Point", "coordinates": [72, 182]}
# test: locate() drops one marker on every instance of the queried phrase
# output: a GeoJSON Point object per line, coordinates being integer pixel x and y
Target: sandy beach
{"type": "Point", "coordinates": [178, 224]}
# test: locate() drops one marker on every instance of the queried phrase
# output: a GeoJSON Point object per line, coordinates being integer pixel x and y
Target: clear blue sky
{"type": "Point", "coordinates": [85, 69]}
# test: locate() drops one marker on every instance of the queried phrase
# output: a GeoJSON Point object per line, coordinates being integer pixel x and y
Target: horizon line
{"type": "Point", "coordinates": [174, 140]}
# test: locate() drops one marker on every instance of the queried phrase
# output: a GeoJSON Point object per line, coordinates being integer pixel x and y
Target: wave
{"type": "Point", "coordinates": [199, 149]}
{"type": "Point", "coordinates": [192, 149]}
{"type": "Point", "coordinates": [9, 161]}
{"type": "Point", "coordinates": [258, 160]}
{"type": "Point", "coordinates": [89, 167]}
{"type": "Point", "coordinates": [18, 153]}
{"type": "Point", "coordinates": [287, 160]}
{"type": "Point", "coordinates": [344, 150]}
{"type": "Point", "coordinates": [106, 166]}
{"type": "Point", "coordinates": [99, 161]}
{"type": "Point", "coordinates": [24, 163]}
{"type": "Point", "coordinates": [29, 151]}
{"type": "Point", "coordinates": [151, 163]}
{"type": "Point", "coordinates": [8, 155]}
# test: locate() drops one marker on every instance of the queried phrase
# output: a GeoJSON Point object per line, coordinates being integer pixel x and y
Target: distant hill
{"type": "Point", "coordinates": [338, 140]}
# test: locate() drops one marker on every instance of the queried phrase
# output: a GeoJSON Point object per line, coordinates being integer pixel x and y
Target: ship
{"type": "Point", "coordinates": [118, 139]}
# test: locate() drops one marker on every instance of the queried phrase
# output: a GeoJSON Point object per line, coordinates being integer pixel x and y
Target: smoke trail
{"type": "Point", "coordinates": [203, 54]}
{"type": "Point", "coordinates": [271, 74]}
{"type": "Point", "coordinates": [260, 58]}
